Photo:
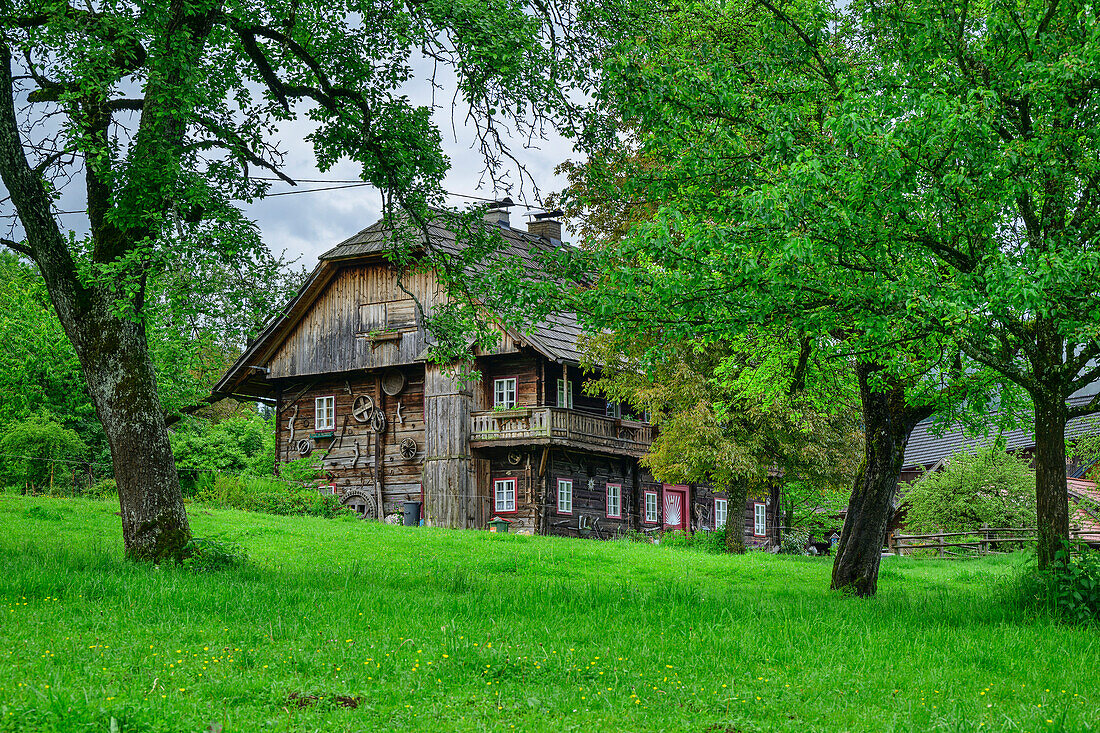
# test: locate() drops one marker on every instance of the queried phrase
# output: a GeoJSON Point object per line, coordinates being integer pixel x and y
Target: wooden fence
{"type": "Point", "coordinates": [985, 541]}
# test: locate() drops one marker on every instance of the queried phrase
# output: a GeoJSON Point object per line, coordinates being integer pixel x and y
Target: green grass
{"type": "Point", "coordinates": [440, 630]}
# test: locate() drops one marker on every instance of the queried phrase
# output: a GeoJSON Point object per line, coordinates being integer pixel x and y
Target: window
{"type": "Point", "coordinates": [565, 496]}
{"type": "Point", "coordinates": [614, 500]}
{"type": "Point", "coordinates": [760, 517]}
{"type": "Point", "coordinates": [613, 410]}
{"type": "Point", "coordinates": [324, 415]}
{"type": "Point", "coordinates": [720, 507]}
{"type": "Point", "coordinates": [505, 490]}
{"type": "Point", "coordinates": [504, 393]}
{"type": "Point", "coordinates": [565, 393]}
{"type": "Point", "coordinates": [651, 507]}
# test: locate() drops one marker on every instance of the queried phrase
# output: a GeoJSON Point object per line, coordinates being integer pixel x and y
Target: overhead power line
{"type": "Point", "coordinates": [344, 184]}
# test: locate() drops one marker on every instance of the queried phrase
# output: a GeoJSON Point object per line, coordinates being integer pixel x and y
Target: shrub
{"type": "Point", "coordinates": [270, 495]}
{"type": "Point", "coordinates": [990, 487]}
{"type": "Point", "coordinates": [238, 445]}
{"type": "Point", "coordinates": [1075, 586]}
{"type": "Point", "coordinates": [793, 541]}
{"type": "Point", "coordinates": [102, 489]}
{"type": "Point", "coordinates": [713, 542]}
{"type": "Point", "coordinates": [212, 555]}
{"type": "Point", "coordinates": [37, 454]}
{"type": "Point", "coordinates": [1069, 590]}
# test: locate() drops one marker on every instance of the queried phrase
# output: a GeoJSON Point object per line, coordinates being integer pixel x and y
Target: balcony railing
{"type": "Point", "coordinates": [560, 426]}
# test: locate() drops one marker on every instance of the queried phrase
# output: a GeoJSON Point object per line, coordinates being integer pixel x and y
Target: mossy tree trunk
{"type": "Point", "coordinates": [737, 494]}
{"type": "Point", "coordinates": [888, 421]}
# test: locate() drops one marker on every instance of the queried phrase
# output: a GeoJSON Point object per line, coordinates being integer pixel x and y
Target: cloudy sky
{"type": "Point", "coordinates": [305, 225]}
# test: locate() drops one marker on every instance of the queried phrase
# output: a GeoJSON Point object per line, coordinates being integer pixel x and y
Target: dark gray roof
{"type": "Point", "coordinates": [926, 448]}
{"type": "Point", "coordinates": [555, 338]}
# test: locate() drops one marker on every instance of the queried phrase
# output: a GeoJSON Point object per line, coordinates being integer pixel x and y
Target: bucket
{"type": "Point", "coordinates": [412, 514]}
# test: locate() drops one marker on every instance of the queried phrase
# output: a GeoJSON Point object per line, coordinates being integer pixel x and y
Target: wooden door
{"type": "Point", "coordinates": [675, 507]}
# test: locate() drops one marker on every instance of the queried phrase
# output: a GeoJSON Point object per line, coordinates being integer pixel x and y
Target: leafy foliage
{"type": "Point", "coordinates": [38, 454]}
{"type": "Point", "coordinates": [989, 487]}
{"type": "Point", "coordinates": [1069, 590]}
{"type": "Point", "coordinates": [39, 371]}
{"type": "Point", "coordinates": [236, 445]}
{"type": "Point", "coordinates": [270, 495]}
{"type": "Point", "coordinates": [210, 555]}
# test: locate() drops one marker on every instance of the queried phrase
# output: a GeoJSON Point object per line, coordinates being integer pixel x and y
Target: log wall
{"type": "Point", "coordinates": [351, 459]}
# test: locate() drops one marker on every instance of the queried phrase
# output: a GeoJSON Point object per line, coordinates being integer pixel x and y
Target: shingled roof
{"type": "Point", "coordinates": [556, 338]}
{"type": "Point", "coordinates": [926, 448]}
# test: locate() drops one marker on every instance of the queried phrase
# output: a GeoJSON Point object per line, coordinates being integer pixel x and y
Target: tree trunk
{"type": "Point", "coordinates": [887, 421]}
{"type": "Point", "coordinates": [737, 494]}
{"type": "Point", "coordinates": [113, 353]}
{"type": "Point", "coordinates": [1052, 500]}
{"type": "Point", "coordinates": [119, 372]}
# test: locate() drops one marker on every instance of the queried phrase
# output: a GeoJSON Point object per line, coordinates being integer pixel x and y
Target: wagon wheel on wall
{"type": "Point", "coordinates": [408, 449]}
{"type": "Point", "coordinates": [362, 407]}
{"type": "Point", "coordinates": [305, 447]}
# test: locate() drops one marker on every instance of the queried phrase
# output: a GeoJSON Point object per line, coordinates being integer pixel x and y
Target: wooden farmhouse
{"type": "Point", "coordinates": [345, 365]}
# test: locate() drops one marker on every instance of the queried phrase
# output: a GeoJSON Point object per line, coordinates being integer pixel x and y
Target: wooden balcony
{"type": "Point", "coordinates": [559, 426]}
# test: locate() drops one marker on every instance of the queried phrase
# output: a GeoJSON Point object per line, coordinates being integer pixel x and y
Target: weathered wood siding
{"type": "Point", "coordinates": [702, 515]}
{"type": "Point", "coordinates": [525, 520]}
{"type": "Point", "coordinates": [343, 330]}
{"type": "Point", "coordinates": [452, 494]}
{"type": "Point", "coordinates": [523, 367]}
{"type": "Point", "coordinates": [590, 474]}
{"type": "Point", "coordinates": [352, 458]}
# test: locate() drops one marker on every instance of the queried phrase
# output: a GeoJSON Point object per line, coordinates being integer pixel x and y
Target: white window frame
{"type": "Point", "coordinates": [565, 393]}
{"type": "Point", "coordinates": [656, 504]}
{"type": "Point", "coordinates": [613, 409]}
{"type": "Point", "coordinates": [504, 495]}
{"type": "Point", "coordinates": [501, 389]}
{"type": "Point", "coordinates": [760, 519]}
{"type": "Point", "coordinates": [324, 413]}
{"type": "Point", "coordinates": [721, 513]}
{"type": "Point", "coordinates": [565, 496]}
{"type": "Point", "coordinates": [614, 500]}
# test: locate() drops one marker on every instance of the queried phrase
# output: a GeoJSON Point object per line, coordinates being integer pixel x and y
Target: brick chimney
{"type": "Point", "coordinates": [497, 212]}
{"type": "Point", "coordinates": [546, 225]}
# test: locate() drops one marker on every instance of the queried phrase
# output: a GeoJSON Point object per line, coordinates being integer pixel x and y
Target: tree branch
{"type": "Point", "coordinates": [18, 247]}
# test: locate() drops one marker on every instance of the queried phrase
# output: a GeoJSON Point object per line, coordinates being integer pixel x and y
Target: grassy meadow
{"type": "Point", "coordinates": [342, 625]}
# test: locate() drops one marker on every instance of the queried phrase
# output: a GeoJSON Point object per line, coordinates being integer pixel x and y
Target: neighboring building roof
{"type": "Point", "coordinates": [1085, 510]}
{"type": "Point", "coordinates": [926, 449]}
{"type": "Point", "coordinates": [555, 338]}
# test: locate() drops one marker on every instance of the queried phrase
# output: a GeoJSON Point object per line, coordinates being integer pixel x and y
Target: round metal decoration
{"type": "Point", "coordinates": [378, 421]}
{"type": "Point", "coordinates": [362, 502]}
{"type": "Point", "coordinates": [393, 381]}
{"type": "Point", "coordinates": [362, 407]}
{"type": "Point", "coordinates": [514, 458]}
{"type": "Point", "coordinates": [408, 449]}
{"type": "Point", "coordinates": [305, 447]}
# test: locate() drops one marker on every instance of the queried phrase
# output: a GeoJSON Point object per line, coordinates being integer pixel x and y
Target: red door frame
{"type": "Point", "coordinates": [682, 490]}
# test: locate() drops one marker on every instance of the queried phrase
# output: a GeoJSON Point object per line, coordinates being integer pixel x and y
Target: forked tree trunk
{"type": "Point", "coordinates": [888, 421]}
{"type": "Point", "coordinates": [1051, 498]}
{"type": "Point", "coordinates": [113, 353]}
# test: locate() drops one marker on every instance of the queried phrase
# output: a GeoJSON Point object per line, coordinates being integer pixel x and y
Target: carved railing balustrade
{"type": "Point", "coordinates": [559, 426]}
